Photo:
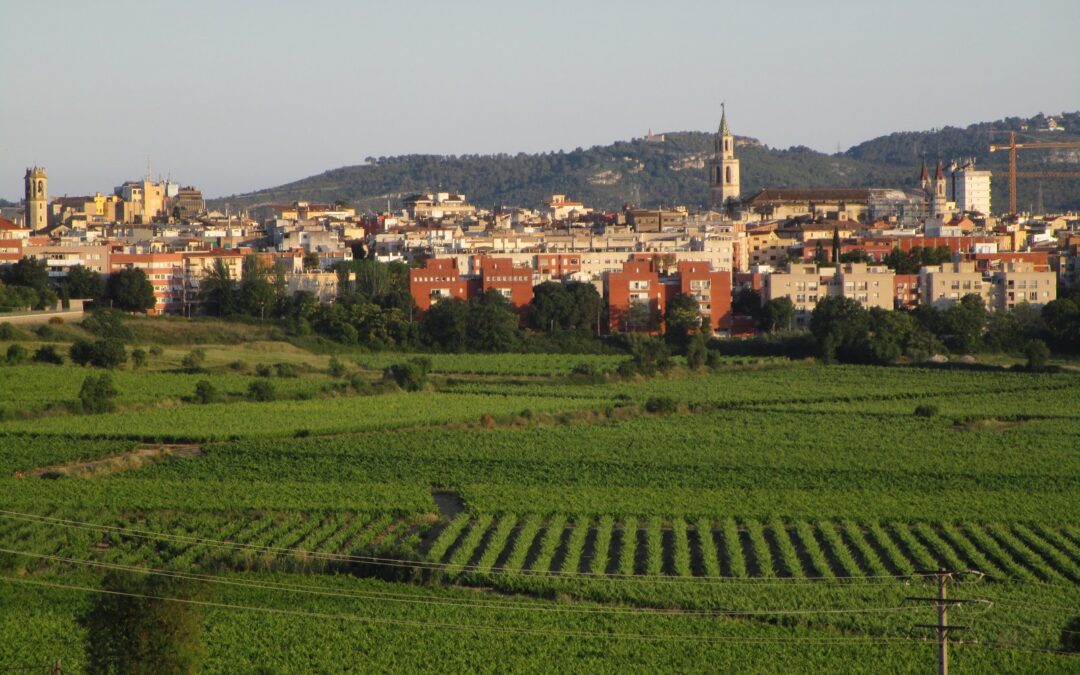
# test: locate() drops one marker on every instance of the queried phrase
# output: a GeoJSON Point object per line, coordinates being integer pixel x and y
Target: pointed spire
{"type": "Point", "coordinates": [724, 131]}
{"type": "Point", "coordinates": [939, 174]}
{"type": "Point", "coordinates": [925, 175]}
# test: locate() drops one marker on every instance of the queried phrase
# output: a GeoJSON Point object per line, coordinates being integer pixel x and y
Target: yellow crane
{"type": "Point", "coordinates": [1013, 146]}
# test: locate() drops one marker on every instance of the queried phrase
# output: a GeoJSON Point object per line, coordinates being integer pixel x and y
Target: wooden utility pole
{"type": "Point", "coordinates": [56, 669]}
{"type": "Point", "coordinates": [942, 602]}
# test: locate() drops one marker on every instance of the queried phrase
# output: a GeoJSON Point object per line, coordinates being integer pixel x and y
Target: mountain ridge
{"type": "Point", "coordinates": [653, 174]}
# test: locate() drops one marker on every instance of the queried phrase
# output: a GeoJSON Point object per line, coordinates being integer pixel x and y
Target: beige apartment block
{"type": "Point", "coordinates": [1019, 282]}
{"type": "Point", "coordinates": [944, 285]}
{"type": "Point", "coordinates": [870, 285]}
{"type": "Point", "coordinates": [802, 284]}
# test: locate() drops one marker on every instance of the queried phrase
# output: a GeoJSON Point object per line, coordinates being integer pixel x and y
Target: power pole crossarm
{"type": "Point", "coordinates": [942, 602]}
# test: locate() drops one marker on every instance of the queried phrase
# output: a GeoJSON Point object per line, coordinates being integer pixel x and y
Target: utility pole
{"type": "Point", "coordinates": [942, 602]}
{"type": "Point", "coordinates": [56, 669]}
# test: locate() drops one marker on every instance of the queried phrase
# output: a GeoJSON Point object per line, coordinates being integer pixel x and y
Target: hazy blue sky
{"type": "Point", "coordinates": [234, 96]}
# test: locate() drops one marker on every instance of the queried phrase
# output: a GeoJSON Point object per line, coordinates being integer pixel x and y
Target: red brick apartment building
{"type": "Point", "coordinates": [641, 282]}
{"type": "Point", "coordinates": [440, 278]}
{"type": "Point", "coordinates": [906, 291]}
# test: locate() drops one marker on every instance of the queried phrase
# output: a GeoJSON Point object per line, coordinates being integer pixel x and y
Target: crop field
{"type": "Point", "coordinates": [510, 514]}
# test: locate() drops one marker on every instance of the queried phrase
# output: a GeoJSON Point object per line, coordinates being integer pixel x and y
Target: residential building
{"type": "Point", "coordinates": [970, 189]}
{"type": "Point", "coordinates": [1020, 282]}
{"type": "Point", "coordinates": [165, 271]}
{"type": "Point", "coordinates": [870, 285]}
{"type": "Point", "coordinates": [944, 285]}
{"type": "Point", "coordinates": [802, 284]}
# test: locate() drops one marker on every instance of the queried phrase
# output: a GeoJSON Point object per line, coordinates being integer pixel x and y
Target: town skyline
{"type": "Point", "coordinates": [275, 94]}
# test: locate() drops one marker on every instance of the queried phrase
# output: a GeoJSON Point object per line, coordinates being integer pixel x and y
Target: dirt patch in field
{"type": "Point", "coordinates": [127, 461]}
{"type": "Point", "coordinates": [991, 424]}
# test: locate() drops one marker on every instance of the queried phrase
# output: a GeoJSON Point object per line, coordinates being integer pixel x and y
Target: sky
{"type": "Point", "coordinates": [233, 96]}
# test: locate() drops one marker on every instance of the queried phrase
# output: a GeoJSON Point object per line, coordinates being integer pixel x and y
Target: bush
{"type": "Point", "coordinates": [411, 375]}
{"type": "Point", "coordinates": [627, 369]}
{"type": "Point", "coordinates": [263, 370]}
{"type": "Point", "coordinates": [7, 331]}
{"type": "Point", "coordinates": [696, 352]}
{"type": "Point", "coordinates": [926, 410]}
{"type": "Point", "coordinates": [107, 353]}
{"type": "Point", "coordinates": [359, 383]}
{"type": "Point", "coordinates": [16, 354]}
{"type": "Point", "coordinates": [1038, 354]}
{"type": "Point", "coordinates": [262, 391]}
{"type": "Point", "coordinates": [193, 361]}
{"type": "Point", "coordinates": [713, 360]}
{"type": "Point", "coordinates": [48, 354]}
{"type": "Point", "coordinates": [285, 370]}
{"type": "Point", "coordinates": [108, 324]}
{"type": "Point", "coordinates": [156, 351]}
{"type": "Point", "coordinates": [584, 369]}
{"type": "Point", "coordinates": [97, 394]}
{"type": "Point", "coordinates": [661, 405]}
{"type": "Point", "coordinates": [336, 368]}
{"type": "Point", "coordinates": [138, 358]}
{"type": "Point", "coordinates": [46, 332]}
{"type": "Point", "coordinates": [206, 392]}
{"type": "Point", "coordinates": [238, 365]}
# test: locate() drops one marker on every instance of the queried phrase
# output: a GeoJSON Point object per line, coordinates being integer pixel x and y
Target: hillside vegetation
{"type": "Point", "coordinates": [673, 172]}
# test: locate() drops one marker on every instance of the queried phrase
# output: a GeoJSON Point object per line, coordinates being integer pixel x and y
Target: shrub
{"type": "Point", "coordinates": [16, 354]}
{"type": "Point", "coordinates": [661, 405]}
{"type": "Point", "coordinates": [411, 375]}
{"type": "Point", "coordinates": [48, 354]}
{"type": "Point", "coordinates": [138, 358]}
{"type": "Point", "coordinates": [193, 361]}
{"type": "Point", "coordinates": [926, 410]}
{"type": "Point", "coordinates": [45, 332]}
{"type": "Point", "coordinates": [238, 365]}
{"type": "Point", "coordinates": [359, 383]}
{"type": "Point", "coordinates": [7, 331]}
{"type": "Point", "coordinates": [713, 360]}
{"type": "Point", "coordinates": [206, 392]}
{"type": "Point", "coordinates": [97, 394]}
{"type": "Point", "coordinates": [336, 368]}
{"type": "Point", "coordinates": [1038, 354]}
{"type": "Point", "coordinates": [584, 369]}
{"type": "Point", "coordinates": [285, 370]}
{"type": "Point", "coordinates": [156, 351]}
{"type": "Point", "coordinates": [627, 369]}
{"type": "Point", "coordinates": [57, 320]}
{"type": "Point", "coordinates": [107, 353]}
{"type": "Point", "coordinates": [262, 391]}
{"type": "Point", "coordinates": [263, 370]}
{"type": "Point", "coordinates": [696, 352]}
{"type": "Point", "coordinates": [107, 324]}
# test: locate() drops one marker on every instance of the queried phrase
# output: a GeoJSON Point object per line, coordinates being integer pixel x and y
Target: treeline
{"type": "Point", "coordinates": [26, 285]}
{"type": "Point", "coordinates": [842, 330]}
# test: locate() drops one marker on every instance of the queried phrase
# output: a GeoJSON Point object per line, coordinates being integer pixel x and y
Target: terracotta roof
{"type": "Point", "coordinates": [6, 224]}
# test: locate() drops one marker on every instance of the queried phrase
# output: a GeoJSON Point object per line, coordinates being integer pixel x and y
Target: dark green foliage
{"type": "Point", "coordinates": [48, 354]}
{"type": "Point", "coordinates": [411, 375]}
{"type": "Point", "coordinates": [1038, 355]}
{"type": "Point", "coordinates": [262, 391]}
{"type": "Point", "coordinates": [130, 290]}
{"type": "Point", "coordinates": [217, 291]}
{"type": "Point", "coordinates": [911, 261]}
{"type": "Point", "coordinates": [1070, 636]}
{"type": "Point", "coordinates": [778, 314]}
{"type": "Point", "coordinates": [682, 318]}
{"type": "Point", "coordinates": [1062, 320]}
{"type": "Point", "coordinates": [193, 361]}
{"type": "Point", "coordinates": [107, 324]}
{"type": "Point", "coordinates": [206, 392]}
{"type": "Point", "coordinates": [336, 367]}
{"type": "Point", "coordinates": [661, 405]}
{"type": "Point", "coordinates": [286, 370]}
{"type": "Point", "coordinates": [138, 358]}
{"type": "Point", "coordinates": [97, 394]}
{"type": "Point", "coordinates": [131, 630]}
{"type": "Point", "coordinates": [572, 306]}
{"type": "Point", "coordinates": [696, 352]}
{"type": "Point", "coordinates": [263, 370]}
{"type": "Point", "coordinates": [747, 302]}
{"type": "Point", "coordinates": [7, 331]}
{"type": "Point", "coordinates": [926, 410]}
{"type": "Point", "coordinates": [106, 353]}
{"type": "Point", "coordinates": [83, 282]}
{"type": "Point", "coordinates": [25, 284]}
{"type": "Point", "coordinates": [16, 354]}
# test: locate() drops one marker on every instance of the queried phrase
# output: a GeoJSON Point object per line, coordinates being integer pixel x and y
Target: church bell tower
{"type": "Point", "coordinates": [724, 168]}
{"type": "Point", "coordinates": [37, 200]}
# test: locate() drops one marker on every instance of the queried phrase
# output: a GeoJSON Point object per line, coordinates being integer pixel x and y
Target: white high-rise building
{"type": "Point", "coordinates": [971, 189]}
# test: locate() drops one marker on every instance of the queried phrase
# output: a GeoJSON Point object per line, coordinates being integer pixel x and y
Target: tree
{"type": "Point", "coordinates": [1062, 319]}
{"type": "Point", "coordinates": [551, 307]}
{"type": "Point", "coordinates": [411, 375]}
{"type": "Point", "coordinates": [747, 302]}
{"type": "Point", "coordinates": [1038, 355]}
{"type": "Point", "coordinates": [312, 261]}
{"type": "Point", "coordinates": [842, 328]}
{"type": "Point", "coordinates": [106, 353]}
{"type": "Point", "coordinates": [97, 394]}
{"type": "Point", "coordinates": [257, 295]}
{"type": "Point", "coordinates": [217, 291]}
{"type": "Point", "coordinates": [683, 318]}
{"type": "Point", "coordinates": [696, 352]}
{"type": "Point", "coordinates": [48, 354]}
{"type": "Point", "coordinates": [778, 314]}
{"type": "Point", "coordinates": [132, 629]}
{"type": "Point", "coordinates": [206, 392]}
{"type": "Point", "coordinates": [138, 358]}
{"type": "Point", "coordinates": [130, 290]}
{"type": "Point", "coordinates": [445, 325]}
{"type": "Point", "coordinates": [262, 391]}
{"type": "Point", "coordinates": [836, 244]}
{"type": "Point", "coordinates": [962, 324]}
{"type": "Point", "coordinates": [83, 282]}
{"type": "Point", "coordinates": [16, 354]}
{"type": "Point", "coordinates": [492, 324]}
{"type": "Point", "coordinates": [640, 317]}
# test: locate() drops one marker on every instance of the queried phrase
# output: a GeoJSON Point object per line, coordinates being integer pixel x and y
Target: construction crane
{"type": "Point", "coordinates": [1013, 146]}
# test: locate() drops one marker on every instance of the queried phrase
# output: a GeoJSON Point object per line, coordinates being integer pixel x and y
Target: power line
{"type": "Point", "coordinates": [436, 600]}
{"type": "Point", "coordinates": [487, 628]}
{"type": "Point", "coordinates": [437, 566]}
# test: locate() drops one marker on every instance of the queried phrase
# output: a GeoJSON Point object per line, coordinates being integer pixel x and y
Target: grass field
{"type": "Point", "coordinates": [512, 517]}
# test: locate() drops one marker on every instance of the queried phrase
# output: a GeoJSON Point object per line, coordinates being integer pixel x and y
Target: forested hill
{"type": "Point", "coordinates": [660, 173]}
